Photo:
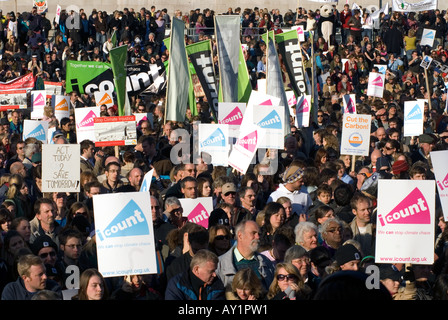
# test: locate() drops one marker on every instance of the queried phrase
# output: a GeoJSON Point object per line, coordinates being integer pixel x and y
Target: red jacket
{"type": "Point", "coordinates": [344, 17]}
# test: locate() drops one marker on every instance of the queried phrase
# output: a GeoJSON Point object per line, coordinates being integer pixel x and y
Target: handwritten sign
{"type": "Point", "coordinates": [60, 168]}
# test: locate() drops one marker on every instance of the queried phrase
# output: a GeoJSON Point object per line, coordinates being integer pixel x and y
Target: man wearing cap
{"type": "Point", "coordinates": [228, 196]}
{"type": "Point", "coordinates": [348, 257]}
{"type": "Point", "coordinates": [44, 247]}
{"type": "Point", "coordinates": [293, 181]}
{"type": "Point", "coordinates": [391, 278]}
{"type": "Point", "coordinates": [426, 143]}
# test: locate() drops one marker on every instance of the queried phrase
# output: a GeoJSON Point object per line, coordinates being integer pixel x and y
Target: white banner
{"type": "Point", "coordinates": [376, 85]}
{"type": "Point", "coordinates": [214, 140]}
{"type": "Point", "coordinates": [84, 119]}
{"type": "Point", "coordinates": [124, 234]}
{"type": "Point", "coordinates": [60, 168]}
{"type": "Point", "coordinates": [231, 113]}
{"type": "Point", "coordinates": [35, 129]}
{"type": "Point", "coordinates": [402, 6]}
{"type": "Point", "coordinates": [61, 106]}
{"type": "Point", "coordinates": [271, 120]}
{"type": "Point", "coordinates": [428, 37]}
{"type": "Point", "coordinates": [197, 210]}
{"type": "Point", "coordinates": [245, 147]}
{"type": "Point", "coordinates": [355, 139]}
{"type": "Point", "coordinates": [58, 14]}
{"type": "Point", "coordinates": [405, 220]}
{"type": "Point", "coordinates": [439, 159]}
{"type": "Point", "coordinates": [38, 103]}
{"type": "Point", "coordinates": [413, 118]}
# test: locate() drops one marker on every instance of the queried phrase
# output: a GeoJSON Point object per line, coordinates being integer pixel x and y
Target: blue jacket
{"type": "Point", "coordinates": [180, 287]}
{"type": "Point", "coordinates": [17, 291]}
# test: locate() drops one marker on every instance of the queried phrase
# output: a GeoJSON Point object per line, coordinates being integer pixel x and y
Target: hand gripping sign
{"type": "Point", "coordinates": [405, 220]}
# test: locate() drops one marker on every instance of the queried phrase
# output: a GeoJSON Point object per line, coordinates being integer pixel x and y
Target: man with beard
{"type": "Point", "coordinates": [245, 255]}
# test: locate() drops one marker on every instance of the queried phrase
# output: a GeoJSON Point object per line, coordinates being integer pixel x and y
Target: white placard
{"type": "Point", "coordinates": [355, 139]}
{"type": "Point", "coordinates": [139, 117]}
{"type": "Point", "coordinates": [35, 129]}
{"type": "Point", "coordinates": [38, 103]}
{"type": "Point", "coordinates": [61, 106]}
{"type": "Point", "coordinates": [60, 168]}
{"type": "Point", "coordinates": [381, 68]}
{"type": "Point", "coordinates": [405, 221]}
{"type": "Point", "coordinates": [303, 109]}
{"type": "Point", "coordinates": [146, 183]}
{"type": "Point", "coordinates": [103, 97]}
{"type": "Point", "coordinates": [375, 87]}
{"type": "Point", "coordinates": [197, 210]}
{"type": "Point", "coordinates": [214, 140]}
{"type": "Point", "coordinates": [231, 113]}
{"type": "Point", "coordinates": [413, 118]}
{"type": "Point", "coordinates": [124, 234]}
{"type": "Point", "coordinates": [85, 119]}
{"type": "Point", "coordinates": [246, 146]}
{"type": "Point", "coordinates": [428, 37]}
{"type": "Point", "coordinates": [271, 120]}
{"type": "Point", "coordinates": [439, 160]}
{"type": "Point", "coordinates": [115, 131]}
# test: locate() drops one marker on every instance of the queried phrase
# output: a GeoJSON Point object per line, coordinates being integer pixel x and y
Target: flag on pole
{"type": "Point", "coordinates": [178, 81]}
{"type": "Point", "coordinates": [244, 85]}
{"type": "Point", "coordinates": [118, 57]}
{"type": "Point", "coordinates": [227, 31]}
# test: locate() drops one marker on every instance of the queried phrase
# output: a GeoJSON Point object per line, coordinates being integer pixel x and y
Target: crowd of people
{"type": "Point", "coordinates": [294, 234]}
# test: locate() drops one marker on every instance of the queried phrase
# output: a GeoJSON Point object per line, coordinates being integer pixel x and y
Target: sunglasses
{"type": "Point", "coordinates": [222, 238]}
{"type": "Point", "coordinates": [45, 255]}
{"type": "Point", "coordinates": [289, 277]}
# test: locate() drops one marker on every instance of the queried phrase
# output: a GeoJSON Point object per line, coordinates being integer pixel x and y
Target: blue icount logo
{"type": "Point", "coordinates": [130, 221]}
{"type": "Point", "coordinates": [271, 121]}
{"type": "Point", "coordinates": [415, 114]}
{"type": "Point", "coordinates": [38, 133]}
{"type": "Point", "coordinates": [216, 139]}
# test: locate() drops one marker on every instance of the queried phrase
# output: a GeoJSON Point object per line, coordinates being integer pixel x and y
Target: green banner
{"type": "Point", "coordinates": [118, 58]}
{"type": "Point", "coordinates": [244, 85]}
{"type": "Point", "coordinates": [88, 76]}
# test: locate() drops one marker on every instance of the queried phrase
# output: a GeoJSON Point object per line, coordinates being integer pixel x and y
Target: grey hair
{"type": "Point", "coordinates": [203, 256]}
{"type": "Point", "coordinates": [301, 228]}
{"type": "Point", "coordinates": [172, 200]}
{"type": "Point", "coordinates": [327, 222]}
{"type": "Point", "coordinates": [30, 149]}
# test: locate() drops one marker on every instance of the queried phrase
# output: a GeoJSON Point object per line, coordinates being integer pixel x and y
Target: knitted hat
{"type": "Point", "coordinates": [43, 241]}
{"type": "Point", "coordinates": [400, 166]}
{"type": "Point", "coordinates": [347, 253]}
{"type": "Point", "coordinates": [292, 173]}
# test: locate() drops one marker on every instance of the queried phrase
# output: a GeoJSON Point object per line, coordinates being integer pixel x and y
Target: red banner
{"type": "Point", "coordinates": [25, 82]}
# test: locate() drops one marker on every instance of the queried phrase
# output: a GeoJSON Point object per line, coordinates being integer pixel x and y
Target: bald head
{"type": "Point", "coordinates": [136, 178]}
{"type": "Point", "coordinates": [381, 133]}
{"type": "Point", "coordinates": [374, 156]}
{"type": "Point", "coordinates": [111, 159]}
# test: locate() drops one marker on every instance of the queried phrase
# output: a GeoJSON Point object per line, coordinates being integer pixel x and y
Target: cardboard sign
{"type": "Point", "coordinates": [375, 86]}
{"type": "Point", "coordinates": [381, 68]}
{"type": "Point", "coordinates": [139, 117]}
{"type": "Point", "coordinates": [38, 103]}
{"type": "Point", "coordinates": [405, 222]}
{"type": "Point", "coordinates": [303, 109]}
{"type": "Point", "coordinates": [292, 100]}
{"type": "Point", "coordinates": [413, 118]}
{"type": "Point", "coordinates": [61, 168]}
{"type": "Point", "coordinates": [146, 183]}
{"type": "Point", "coordinates": [214, 140]}
{"type": "Point", "coordinates": [103, 97]}
{"type": "Point", "coordinates": [85, 119]}
{"type": "Point", "coordinates": [115, 131]}
{"type": "Point", "coordinates": [35, 129]}
{"type": "Point", "coordinates": [61, 105]}
{"type": "Point", "coordinates": [124, 234]}
{"type": "Point", "coordinates": [349, 101]}
{"type": "Point", "coordinates": [13, 99]}
{"type": "Point", "coordinates": [439, 159]}
{"type": "Point", "coordinates": [246, 146]}
{"type": "Point", "coordinates": [355, 139]}
{"type": "Point", "coordinates": [271, 120]}
{"type": "Point", "coordinates": [428, 37]}
{"type": "Point", "coordinates": [232, 114]}
{"type": "Point", "coordinates": [197, 210]}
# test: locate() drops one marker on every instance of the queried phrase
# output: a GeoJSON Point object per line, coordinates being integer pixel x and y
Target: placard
{"type": "Point", "coordinates": [349, 102]}
{"type": "Point", "coordinates": [355, 139]}
{"type": "Point", "coordinates": [405, 221]}
{"type": "Point", "coordinates": [231, 113]}
{"type": "Point", "coordinates": [439, 160]}
{"type": "Point", "coordinates": [124, 234]}
{"type": "Point", "coordinates": [246, 146]}
{"type": "Point", "coordinates": [115, 131]}
{"type": "Point", "coordinates": [38, 103]}
{"type": "Point", "coordinates": [13, 99]}
{"type": "Point", "coordinates": [271, 120]}
{"type": "Point", "coordinates": [61, 105]}
{"type": "Point", "coordinates": [103, 98]}
{"type": "Point", "coordinates": [146, 183]}
{"type": "Point", "coordinates": [35, 129]}
{"type": "Point", "coordinates": [413, 118]}
{"type": "Point", "coordinates": [303, 109]}
{"type": "Point", "coordinates": [214, 140]}
{"type": "Point", "coordinates": [375, 86]}
{"type": "Point", "coordinates": [428, 37]}
{"type": "Point", "coordinates": [84, 120]}
{"type": "Point", "coordinates": [197, 210]}
{"type": "Point", "coordinates": [61, 168]}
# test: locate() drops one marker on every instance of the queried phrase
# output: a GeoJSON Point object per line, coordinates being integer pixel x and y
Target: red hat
{"type": "Point", "coordinates": [400, 166]}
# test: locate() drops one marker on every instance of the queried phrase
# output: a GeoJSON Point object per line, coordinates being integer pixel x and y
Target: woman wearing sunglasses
{"type": "Point", "coordinates": [287, 284]}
